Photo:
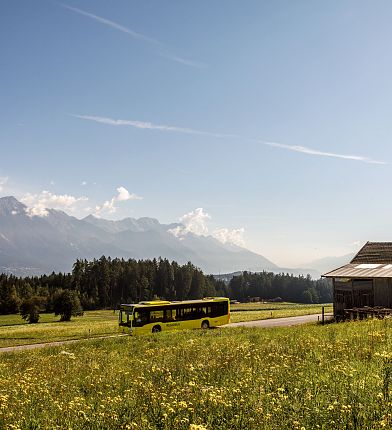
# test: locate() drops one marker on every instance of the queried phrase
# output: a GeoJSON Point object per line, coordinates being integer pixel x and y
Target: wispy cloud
{"type": "Point", "coordinates": [311, 151]}
{"type": "Point", "coordinates": [114, 25]}
{"type": "Point", "coordinates": [185, 61]}
{"type": "Point", "coordinates": [150, 126]}
{"type": "Point", "coordinates": [169, 128]}
{"type": "Point", "coordinates": [138, 36]}
{"type": "Point", "coordinates": [3, 182]}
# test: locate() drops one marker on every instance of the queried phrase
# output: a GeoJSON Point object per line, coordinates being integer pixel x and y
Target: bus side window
{"type": "Point", "coordinates": [141, 318]}
{"type": "Point", "coordinates": [218, 309]}
{"type": "Point", "coordinates": [156, 316]}
{"type": "Point", "coordinates": [222, 308]}
{"type": "Point", "coordinates": [169, 315]}
{"type": "Point", "coordinates": [187, 313]}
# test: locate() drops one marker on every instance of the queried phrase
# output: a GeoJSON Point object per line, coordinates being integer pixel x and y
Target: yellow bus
{"type": "Point", "coordinates": [159, 315]}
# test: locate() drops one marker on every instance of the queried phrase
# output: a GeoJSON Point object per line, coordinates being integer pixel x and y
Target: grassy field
{"type": "Point", "coordinates": [262, 306]}
{"type": "Point", "coordinates": [261, 311]}
{"type": "Point", "coordinates": [337, 376]}
{"type": "Point", "coordinates": [14, 331]}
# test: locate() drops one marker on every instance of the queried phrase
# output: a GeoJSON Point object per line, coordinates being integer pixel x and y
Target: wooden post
{"type": "Point", "coordinates": [322, 315]}
{"type": "Point", "coordinates": [334, 298]}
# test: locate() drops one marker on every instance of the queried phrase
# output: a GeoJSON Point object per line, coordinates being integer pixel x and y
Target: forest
{"type": "Point", "coordinates": [289, 288]}
{"type": "Point", "coordinates": [105, 283]}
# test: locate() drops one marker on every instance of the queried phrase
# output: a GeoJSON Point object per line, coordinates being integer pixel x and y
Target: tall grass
{"type": "Point", "coordinates": [336, 376]}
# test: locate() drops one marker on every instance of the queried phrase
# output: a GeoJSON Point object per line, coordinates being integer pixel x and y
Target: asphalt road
{"type": "Point", "coordinates": [275, 322]}
{"type": "Point", "coordinates": [281, 322]}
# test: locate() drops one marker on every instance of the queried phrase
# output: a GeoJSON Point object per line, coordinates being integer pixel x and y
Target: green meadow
{"type": "Point", "coordinates": [15, 331]}
{"type": "Point", "coordinates": [261, 311]}
{"type": "Point", "coordinates": [337, 376]}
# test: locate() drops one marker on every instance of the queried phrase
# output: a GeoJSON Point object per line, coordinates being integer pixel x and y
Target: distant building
{"type": "Point", "coordinates": [364, 286]}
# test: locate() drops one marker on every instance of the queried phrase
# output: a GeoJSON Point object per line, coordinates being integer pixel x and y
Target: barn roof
{"type": "Point", "coordinates": [374, 260]}
{"type": "Point", "coordinates": [374, 252]}
{"type": "Point", "coordinates": [362, 270]}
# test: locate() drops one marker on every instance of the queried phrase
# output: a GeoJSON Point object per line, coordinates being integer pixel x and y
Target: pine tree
{"type": "Point", "coordinates": [66, 303]}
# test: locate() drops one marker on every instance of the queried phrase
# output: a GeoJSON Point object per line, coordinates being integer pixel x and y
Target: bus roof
{"type": "Point", "coordinates": [147, 304]}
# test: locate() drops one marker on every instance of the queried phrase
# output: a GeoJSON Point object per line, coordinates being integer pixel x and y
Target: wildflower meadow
{"type": "Point", "coordinates": [337, 376]}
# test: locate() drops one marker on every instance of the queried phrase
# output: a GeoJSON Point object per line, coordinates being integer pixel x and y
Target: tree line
{"type": "Point", "coordinates": [105, 283]}
{"type": "Point", "coordinates": [268, 286]}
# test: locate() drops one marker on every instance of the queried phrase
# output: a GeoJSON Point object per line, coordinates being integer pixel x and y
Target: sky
{"type": "Point", "coordinates": [265, 124]}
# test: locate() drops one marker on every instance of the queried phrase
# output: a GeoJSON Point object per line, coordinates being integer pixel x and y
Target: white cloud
{"type": "Point", "coordinates": [109, 205]}
{"type": "Point", "coordinates": [37, 210]}
{"type": "Point", "coordinates": [124, 194]}
{"type": "Point", "coordinates": [235, 236]}
{"type": "Point", "coordinates": [169, 128]}
{"type": "Point", "coordinates": [84, 183]}
{"type": "Point", "coordinates": [3, 182]}
{"type": "Point", "coordinates": [138, 36]}
{"type": "Point", "coordinates": [196, 221]}
{"type": "Point", "coordinates": [37, 204]}
{"type": "Point", "coordinates": [193, 222]}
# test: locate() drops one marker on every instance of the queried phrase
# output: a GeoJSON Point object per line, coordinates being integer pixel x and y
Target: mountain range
{"type": "Point", "coordinates": [33, 245]}
{"type": "Point", "coordinates": [40, 244]}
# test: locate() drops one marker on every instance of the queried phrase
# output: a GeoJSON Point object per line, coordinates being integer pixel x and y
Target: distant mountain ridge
{"type": "Point", "coordinates": [326, 264]}
{"type": "Point", "coordinates": [32, 245]}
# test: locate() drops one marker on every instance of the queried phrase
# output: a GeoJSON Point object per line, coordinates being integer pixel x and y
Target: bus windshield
{"type": "Point", "coordinates": [125, 317]}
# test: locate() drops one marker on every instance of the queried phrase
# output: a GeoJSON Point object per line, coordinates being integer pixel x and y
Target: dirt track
{"type": "Point", "coordinates": [276, 322]}
{"type": "Point", "coordinates": [56, 343]}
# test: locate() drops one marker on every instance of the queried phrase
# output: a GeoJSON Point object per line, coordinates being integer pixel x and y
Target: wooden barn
{"type": "Point", "coordinates": [364, 286]}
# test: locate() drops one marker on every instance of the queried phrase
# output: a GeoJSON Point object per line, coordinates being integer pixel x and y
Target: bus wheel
{"type": "Point", "coordinates": [156, 329]}
{"type": "Point", "coordinates": [205, 325]}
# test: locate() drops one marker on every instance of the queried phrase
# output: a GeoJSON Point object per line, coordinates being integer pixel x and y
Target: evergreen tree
{"type": "Point", "coordinates": [66, 303]}
{"type": "Point", "coordinates": [31, 308]}
{"type": "Point", "coordinates": [197, 285]}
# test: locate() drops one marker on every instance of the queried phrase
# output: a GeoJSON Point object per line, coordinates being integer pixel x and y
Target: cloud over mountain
{"type": "Point", "coordinates": [196, 222]}
{"type": "Point", "coordinates": [36, 243]}
{"type": "Point", "coordinates": [37, 204]}
{"type": "Point", "coordinates": [122, 196]}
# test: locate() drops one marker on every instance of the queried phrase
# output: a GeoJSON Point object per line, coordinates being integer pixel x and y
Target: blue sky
{"type": "Point", "coordinates": [273, 117]}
